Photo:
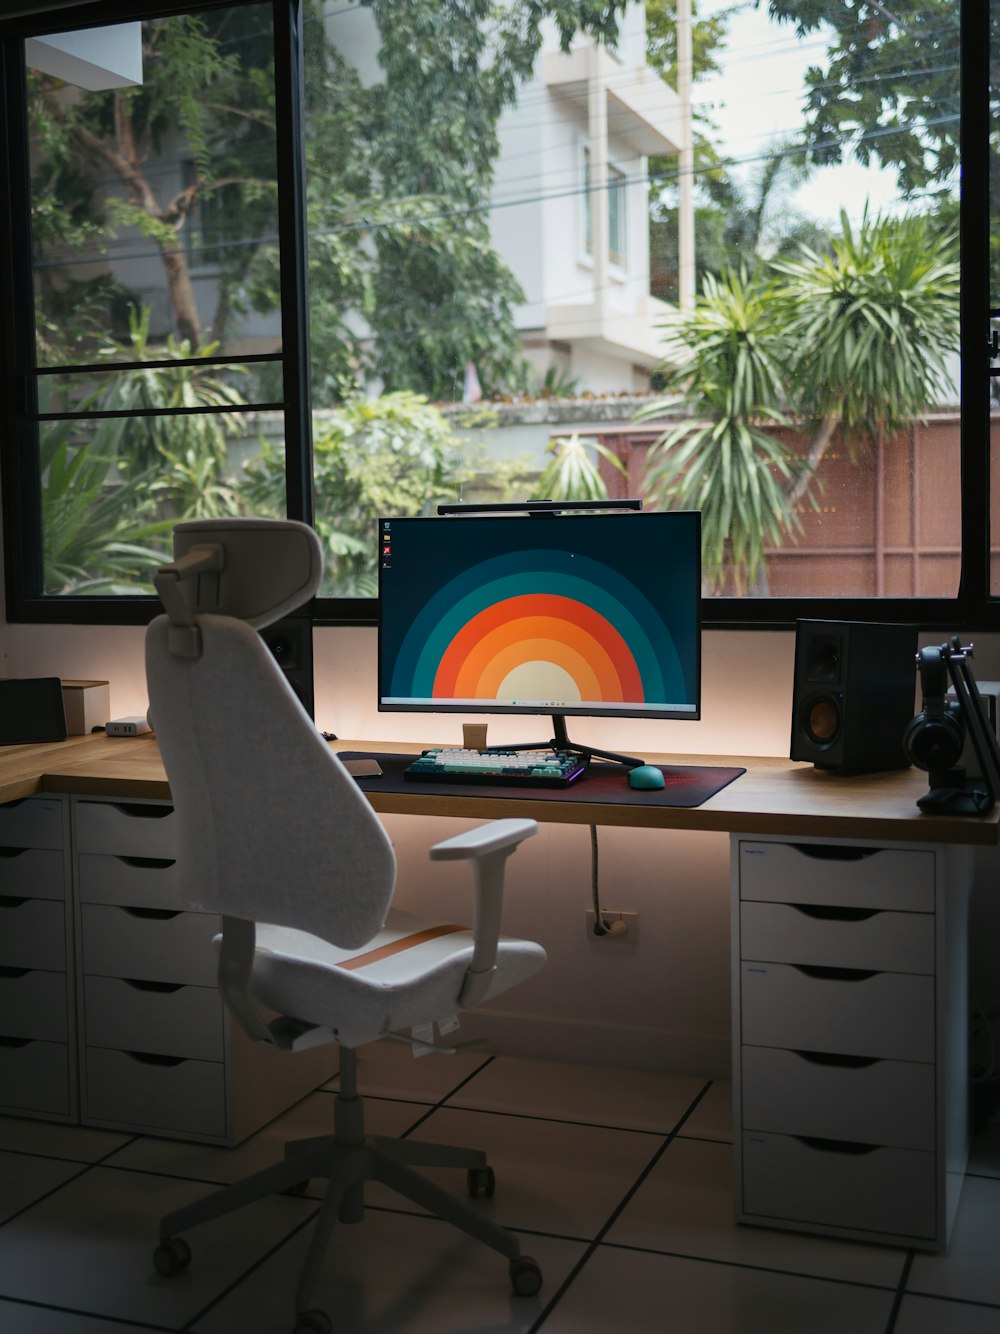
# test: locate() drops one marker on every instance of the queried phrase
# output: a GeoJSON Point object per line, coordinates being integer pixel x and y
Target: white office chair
{"type": "Point", "coordinates": [276, 837]}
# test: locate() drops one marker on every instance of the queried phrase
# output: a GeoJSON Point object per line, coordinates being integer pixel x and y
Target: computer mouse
{"type": "Point", "coordinates": [645, 777]}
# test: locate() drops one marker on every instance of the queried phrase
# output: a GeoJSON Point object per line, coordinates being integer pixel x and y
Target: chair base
{"type": "Point", "coordinates": [347, 1159]}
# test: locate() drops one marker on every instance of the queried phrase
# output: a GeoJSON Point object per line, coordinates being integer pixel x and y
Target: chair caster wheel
{"type": "Point", "coordinates": [481, 1181]}
{"type": "Point", "coordinates": [171, 1256]}
{"type": "Point", "coordinates": [312, 1322]}
{"type": "Point", "coordinates": [525, 1276]}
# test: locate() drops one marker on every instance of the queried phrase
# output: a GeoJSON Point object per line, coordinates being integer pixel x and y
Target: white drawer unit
{"type": "Point", "coordinates": [37, 982]}
{"type": "Point", "coordinates": [849, 1037]}
{"type": "Point", "coordinates": [159, 1053]}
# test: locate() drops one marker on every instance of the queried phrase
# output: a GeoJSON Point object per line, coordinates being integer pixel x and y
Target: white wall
{"type": "Point", "coordinates": [662, 1002]}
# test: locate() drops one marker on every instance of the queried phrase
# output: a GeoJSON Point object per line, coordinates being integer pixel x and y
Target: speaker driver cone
{"type": "Point", "coordinates": [822, 721]}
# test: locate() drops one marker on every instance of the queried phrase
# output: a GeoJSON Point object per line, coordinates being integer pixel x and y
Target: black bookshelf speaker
{"type": "Point", "coordinates": [854, 694]}
{"type": "Point", "coordinates": [290, 640]}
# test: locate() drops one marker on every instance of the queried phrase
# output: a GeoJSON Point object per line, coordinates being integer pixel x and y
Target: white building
{"type": "Point", "coordinates": [570, 214]}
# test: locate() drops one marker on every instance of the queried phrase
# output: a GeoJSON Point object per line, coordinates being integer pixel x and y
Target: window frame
{"type": "Point", "coordinates": [973, 608]}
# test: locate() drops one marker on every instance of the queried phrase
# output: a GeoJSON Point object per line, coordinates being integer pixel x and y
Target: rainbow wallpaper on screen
{"type": "Point", "coordinates": [515, 614]}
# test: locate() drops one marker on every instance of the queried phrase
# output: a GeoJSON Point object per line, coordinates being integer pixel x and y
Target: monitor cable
{"type": "Point", "coordinates": [602, 927]}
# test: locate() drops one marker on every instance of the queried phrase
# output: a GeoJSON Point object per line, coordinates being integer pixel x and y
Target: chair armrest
{"type": "Point", "coordinates": [487, 846]}
{"type": "Point", "coordinates": [237, 948]}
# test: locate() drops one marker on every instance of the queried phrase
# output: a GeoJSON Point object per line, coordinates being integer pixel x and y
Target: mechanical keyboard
{"type": "Point", "coordinates": [517, 768]}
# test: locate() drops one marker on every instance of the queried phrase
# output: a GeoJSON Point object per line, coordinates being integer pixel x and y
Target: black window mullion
{"type": "Point", "coordinates": [289, 80]}
{"type": "Point", "coordinates": [975, 303]}
{"type": "Point", "coordinates": [19, 467]}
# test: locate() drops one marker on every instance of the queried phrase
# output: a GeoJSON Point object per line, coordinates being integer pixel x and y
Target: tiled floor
{"type": "Point", "coordinates": [618, 1181]}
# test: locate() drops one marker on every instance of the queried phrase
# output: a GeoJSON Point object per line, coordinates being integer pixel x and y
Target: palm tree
{"type": "Point", "coordinates": [726, 382]}
{"type": "Point", "coordinates": [873, 323]}
{"type": "Point", "coordinates": [857, 338]}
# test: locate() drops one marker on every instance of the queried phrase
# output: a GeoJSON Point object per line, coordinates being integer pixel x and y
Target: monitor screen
{"type": "Point", "coordinates": [575, 614]}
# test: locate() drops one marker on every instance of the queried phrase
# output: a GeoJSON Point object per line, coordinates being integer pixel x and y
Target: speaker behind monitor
{"type": "Point", "coordinates": [290, 641]}
{"type": "Point", "coordinates": [854, 694]}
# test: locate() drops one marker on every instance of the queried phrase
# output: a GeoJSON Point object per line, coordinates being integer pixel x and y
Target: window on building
{"type": "Point", "coordinates": [212, 306]}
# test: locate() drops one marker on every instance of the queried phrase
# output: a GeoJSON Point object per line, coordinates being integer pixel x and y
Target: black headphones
{"type": "Point", "coordinates": [936, 736]}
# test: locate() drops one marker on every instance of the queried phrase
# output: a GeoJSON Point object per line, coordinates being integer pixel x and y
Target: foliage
{"type": "Point", "coordinates": [857, 338]}
{"type": "Point", "coordinates": [98, 536]}
{"type": "Point", "coordinates": [890, 88]}
{"type": "Point", "coordinates": [572, 474]}
{"type": "Point", "coordinates": [390, 455]}
{"type": "Point", "coordinates": [725, 373]}
{"type": "Point", "coordinates": [188, 452]}
{"type": "Point", "coordinates": [874, 321]}
{"type": "Point", "coordinates": [405, 286]}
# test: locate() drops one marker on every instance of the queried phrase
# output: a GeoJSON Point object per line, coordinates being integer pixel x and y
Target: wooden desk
{"type": "Point", "coordinates": [849, 976]}
{"type": "Point", "coordinates": [775, 796]}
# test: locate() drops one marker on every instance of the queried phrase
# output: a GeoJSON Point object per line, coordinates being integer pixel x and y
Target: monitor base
{"type": "Point", "coordinates": [561, 741]}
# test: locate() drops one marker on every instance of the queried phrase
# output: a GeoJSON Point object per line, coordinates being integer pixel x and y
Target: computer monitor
{"type": "Point", "coordinates": [560, 613]}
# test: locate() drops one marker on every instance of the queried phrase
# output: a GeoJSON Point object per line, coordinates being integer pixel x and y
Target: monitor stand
{"type": "Point", "coordinates": [560, 741]}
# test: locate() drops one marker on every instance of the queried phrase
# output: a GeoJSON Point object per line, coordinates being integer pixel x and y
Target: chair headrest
{"type": "Point", "coordinates": [256, 570]}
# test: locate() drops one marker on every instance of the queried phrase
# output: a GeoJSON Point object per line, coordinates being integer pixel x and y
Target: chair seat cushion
{"type": "Point", "coordinates": [411, 972]}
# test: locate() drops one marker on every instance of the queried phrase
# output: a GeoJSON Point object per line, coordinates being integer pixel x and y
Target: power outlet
{"type": "Point", "coordinates": [630, 934]}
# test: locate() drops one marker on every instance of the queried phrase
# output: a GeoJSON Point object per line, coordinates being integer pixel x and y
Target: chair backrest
{"type": "Point", "coordinates": [272, 827]}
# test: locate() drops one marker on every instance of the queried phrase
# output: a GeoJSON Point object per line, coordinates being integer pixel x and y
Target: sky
{"type": "Point", "coordinates": [758, 97]}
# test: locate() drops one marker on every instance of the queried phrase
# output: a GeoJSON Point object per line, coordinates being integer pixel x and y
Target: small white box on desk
{"type": "Point", "coordinates": [87, 705]}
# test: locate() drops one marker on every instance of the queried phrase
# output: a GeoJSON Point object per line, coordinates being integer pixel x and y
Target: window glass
{"type": "Point", "coordinates": [762, 321]}
{"type": "Point", "coordinates": [155, 271]}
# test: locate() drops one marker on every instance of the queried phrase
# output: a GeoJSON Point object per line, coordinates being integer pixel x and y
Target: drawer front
{"type": "Point", "coordinates": [32, 934]}
{"type": "Point", "coordinates": [157, 1094]}
{"type": "Point", "coordinates": [890, 878]}
{"type": "Point", "coordinates": [863, 1014]}
{"type": "Point", "coordinates": [36, 822]}
{"type": "Point", "coordinates": [837, 937]}
{"type": "Point", "coordinates": [177, 1021]}
{"type": "Point", "coordinates": [126, 829]}
{"type": "Point", "coordinates": [34, 1077]}
{"type": "Point", "coordinates": [879, 1102]}
{"type": "Point", "coordinates": [33, 1005]}
{"type": "Point", "coordinates": [153, 947]}
{"type": "Point", "coordinates": [879, 1190]}
{"type": "Point", "coordinates": [133, 882]}
{"type": "Point", "coordinates": [35, 873]}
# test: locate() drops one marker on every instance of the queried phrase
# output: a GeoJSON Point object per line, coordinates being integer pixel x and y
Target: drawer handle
{"type": "Point", "coordinates": [137, 812]}
{"type": "Point", "coordinates": [824, 852]}
{"type": "Point", "coordinates": [845, 1146]}
{"type": "Point", "coordinates": [152, 1058]}
{"type": "Point", "coordinates": [830, 1058]}
{"type": "Point", "coordinates": [149, 863]}
{"type": "Point", "coordinates": [14, 972]}
{"type": "Point", "coordinates": [15, 1042]}
{"type": "Point", "coordinates": [11, 901]}
{"type": "Point", "coordinates": [828, 913]}
{"type": "Point", "coordinates": [12, 852]}
{"type": "Point", "coordinates": [153, 914]}
{"type": "Point", "coordinates": [836, 974]}
{"type": "Point", "coordinates": [143, 984]}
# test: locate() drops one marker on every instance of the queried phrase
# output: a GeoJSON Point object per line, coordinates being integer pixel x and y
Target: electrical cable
{"type": "Point", "coordinates": [602, 927]}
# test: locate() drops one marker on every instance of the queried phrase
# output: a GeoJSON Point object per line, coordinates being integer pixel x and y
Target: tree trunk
{"type": "Point", "coordinates": [820, 444]}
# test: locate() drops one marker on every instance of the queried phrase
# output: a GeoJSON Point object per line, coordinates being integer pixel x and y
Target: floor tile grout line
{"type": "Point", "coordinates": [744, 1264]}
{"type": "Point", "coordinates": [46, 1195]}
{"type": "Point", "coordinates": [897, 1300]}
{"type": "Point", "coordinates": [251, 1269]}
{"type": "Point", "coordinates": [129, 1321]}
{"type": "Point", "coordinates": [602, 1232]}
{"type": "Point", "coordinates": [444, 1098]}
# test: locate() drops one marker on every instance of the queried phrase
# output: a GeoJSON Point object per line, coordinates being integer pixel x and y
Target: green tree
{"type": "Point", "coordinates": [725, 380]}
{"type": "Point", "coordinates": [857, 339]}
{"type": "Point", "coordinates": [872, 324]}
{"type": "Point", "coordinates": [889, 89]}
{"type": "Point", "coordinates": [399, 174]}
